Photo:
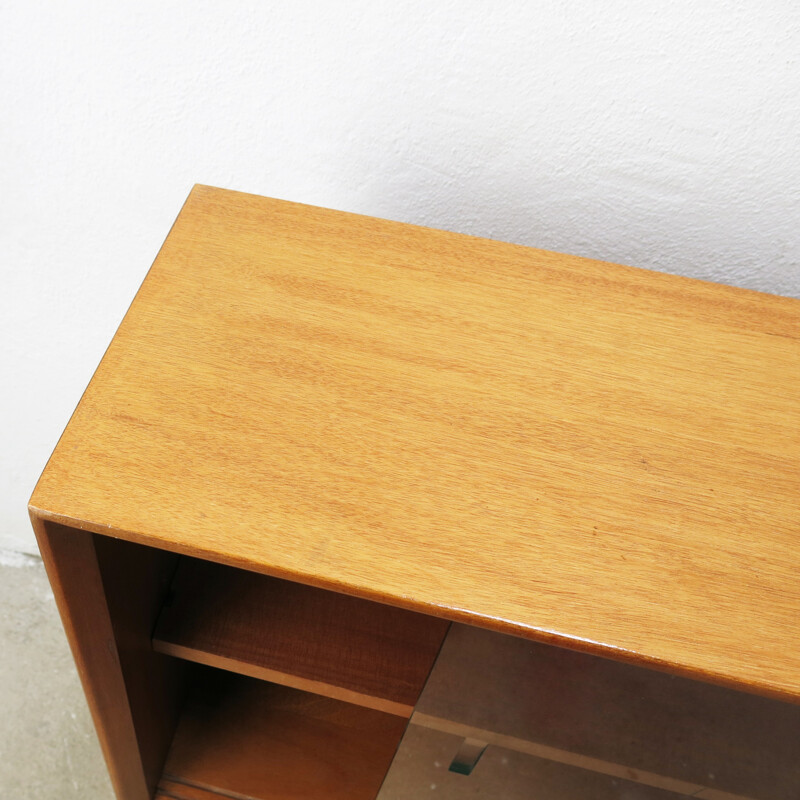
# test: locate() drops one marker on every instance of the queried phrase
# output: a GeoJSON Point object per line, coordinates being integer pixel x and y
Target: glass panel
{"type": "Point", "coordinates": [420, 770]}
{"type": "Point", "coordinates": [564, 724]}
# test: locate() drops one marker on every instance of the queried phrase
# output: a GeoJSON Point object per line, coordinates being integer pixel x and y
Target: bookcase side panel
{"type": "Point", "coordinates": [107, 593]}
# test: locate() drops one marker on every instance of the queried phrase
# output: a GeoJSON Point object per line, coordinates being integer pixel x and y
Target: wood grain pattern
{"type": "Point", "coordinates": [250, 739]}
{"type": "Point", "coordinates": [136, 580]}
{"type": "Point", "coordinates": [72, 568]}
{"type": "Point", "coordinates": [172, 790]}
{"type": "Point", "coordinates": [576, 452]}
{"type": "Point", "coordinates": [656, 729]}
{"type": "Point", "coordinates": [373, 655]}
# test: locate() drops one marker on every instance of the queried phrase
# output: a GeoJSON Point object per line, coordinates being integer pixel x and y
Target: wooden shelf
{"type": "Point", "coordinates": [172, 790]}
{"type": "Point", "coordinates": [341, 647]}
{"type": "Point", "coordinates": [248, 739]}
{"type": "Point", "coordinates": [576, 453]}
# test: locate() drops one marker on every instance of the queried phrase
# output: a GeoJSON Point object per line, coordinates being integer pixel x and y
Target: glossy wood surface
{"type": "Point", "coordinates": [659, 730]}
{"type": "Point", "coordinates": [131, 691]}
{"type": "Point", "coordinates": [251, 740]}
{"type": "Point", "coordinates": [577, 452]}
{"type": "Point", "coordinates": [136, 580]}
{"type": "Point", "coordinates": [343, 647]}
{"type": "Point", "coordinates": [170, 790]}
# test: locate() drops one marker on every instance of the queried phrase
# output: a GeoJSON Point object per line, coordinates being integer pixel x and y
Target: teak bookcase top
{"type": "Point", "coordinates": [580, 453]}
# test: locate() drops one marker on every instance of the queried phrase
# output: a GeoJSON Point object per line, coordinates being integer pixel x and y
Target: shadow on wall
{"type": "Point", "coordinates": [680, 221]}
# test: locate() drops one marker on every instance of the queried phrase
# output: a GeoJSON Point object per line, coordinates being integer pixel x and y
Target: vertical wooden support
{"type": "Point", "coordinates": [133, 693]}
{"type": "Point", "coordinates": [136, 581]}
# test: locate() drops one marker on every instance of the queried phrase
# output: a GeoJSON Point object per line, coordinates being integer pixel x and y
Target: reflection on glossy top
{"type": "Point", "coordinates": [569, 450]}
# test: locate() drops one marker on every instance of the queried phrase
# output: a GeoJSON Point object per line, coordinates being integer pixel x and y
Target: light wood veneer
{"type": "Point", "coordinates": [384, 421]}
{"type": "Point", "coordinates": [342, 647]}
{"type": "Point", "coordinates": [576, 452]}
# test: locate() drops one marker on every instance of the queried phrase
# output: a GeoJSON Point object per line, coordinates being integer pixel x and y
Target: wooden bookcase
{"type": "Point", "coordinates": [341, 483]}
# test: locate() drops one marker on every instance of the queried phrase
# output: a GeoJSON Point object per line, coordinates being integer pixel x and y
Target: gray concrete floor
{"type": "Point", "coordinates": [48, 747]}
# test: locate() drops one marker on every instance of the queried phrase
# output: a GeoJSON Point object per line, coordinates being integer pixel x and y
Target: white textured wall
{"type": "Point", "coordinates": [658, 134]}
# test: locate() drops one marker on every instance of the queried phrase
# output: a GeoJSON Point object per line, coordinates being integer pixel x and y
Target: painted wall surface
{"type": "Point", "coordinates": [658, 134]}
